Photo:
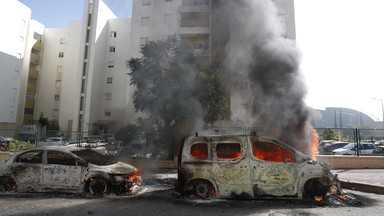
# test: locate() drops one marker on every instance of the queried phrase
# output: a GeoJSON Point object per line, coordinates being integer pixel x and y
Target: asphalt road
{"type": "Point", "coordinates": [159, 198]}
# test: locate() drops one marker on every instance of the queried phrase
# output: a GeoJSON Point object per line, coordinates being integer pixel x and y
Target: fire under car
{"type": "Point", "coordinates": [66, 169]}
{"type": "Point", "coordinates": [246, 166]}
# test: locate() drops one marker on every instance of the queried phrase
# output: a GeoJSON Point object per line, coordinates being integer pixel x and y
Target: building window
{"type": "Point", "coordinates": [113, 34]}
{"type": "Point", "coordinates": [32, 81]}
{"type": "Point", "coordinates": [57, 97]}
{"type": "Point", "coordinates": [12, 109]}
{"type": "Point", "coordinates": [81, 103]}
{"type": "Point", "coordinates": [61, 54]}
{"type": "Point", "coordinates": [58, 83]}
{"type": "Point", "coordinates": [168, 0]}
{"type": "Point", "coordinates": [59, 69]}
{"type": "Point", "coordinates": [55, 113]}
{"type": "Point", "coordinates": [83, 86]}
{"type": "Point", "coordinates": [144, 20]}
{"type": "Point", "coordinates": [17, 74]}
{"type": "Point", "coordinates": [28, 111]}
{"type": "Point", "coordinates": [112, 49]}
{"type": "Point", "coordinates": [146, 2]}
{"type": "Point", "coordinates": [62, 40]}
{"type": "Point", "coordinates": [30, 95]}
{"type": "Point", "coordinates": [108, 96]}
{"type": "Point", "coordinates": [109, 80]}
{"type": "Point", "coordinates": [111, 64]}
{"type": "Point", "coordinates": [143, 41]}
{"type": "Point", "coordinates": [168, 18]}
{"type": "Point", "coordinates": [14, 91]}
{"type": "Point", "coordinates": [107, 112]}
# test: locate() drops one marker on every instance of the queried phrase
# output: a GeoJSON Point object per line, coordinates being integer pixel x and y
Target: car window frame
{"type": "Point", "coordinates": [33, 150]}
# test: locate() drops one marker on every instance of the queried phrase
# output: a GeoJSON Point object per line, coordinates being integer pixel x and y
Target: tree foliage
{"type": "Point", "coordinates": [173, 84]}
{"type": "Point", "coordinates": [329, 134]}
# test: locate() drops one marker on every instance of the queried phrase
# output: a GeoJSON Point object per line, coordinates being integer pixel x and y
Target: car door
{"type": "Point", "coordinates": [367, 149]}
{"type": "Point", "coordinates": [230, 169]}
{"type": "Point", "coordinates": [27, 170]}
{"type": "Point", "coordinates": [272, 169]}
{"type": "Point", "coordinates": [61, 171]}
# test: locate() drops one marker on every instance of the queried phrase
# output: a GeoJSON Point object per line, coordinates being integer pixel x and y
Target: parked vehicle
{"type": "Point", "coordinates": [328, 148]}
{"type": "Point", "coordinates": [249, 166]}
{"type": "Point", "coordinates": [65, 169]}
{"type": "Point", "coordinates": [350, 149]}
{"type": "Point", "coordinates": [378, 151]}
{"type": "Point", "coordinates": [379, 142]}
{"type": "Point", "coordinates": [323, 143]}
{"type": "Point", "coordinates": [54, 141]}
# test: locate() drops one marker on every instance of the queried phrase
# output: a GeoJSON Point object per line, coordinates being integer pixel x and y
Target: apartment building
{"type": "Point", "coordinates": [205, 26]}
{"type": "Point", "coordinates": [20, 47]}
{"type": "Point", "coordinates": [77, 76]}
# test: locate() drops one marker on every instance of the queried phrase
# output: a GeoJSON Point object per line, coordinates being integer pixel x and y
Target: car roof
{"type": "Point", "coordinates": [62, 148]}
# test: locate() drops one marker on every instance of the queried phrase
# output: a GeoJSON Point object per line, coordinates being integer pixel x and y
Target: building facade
{"type": "Point", "coordinates": [77, 76]}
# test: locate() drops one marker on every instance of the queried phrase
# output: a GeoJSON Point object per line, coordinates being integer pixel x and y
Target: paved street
{"type": "Point", "coordinates": [157, 197]}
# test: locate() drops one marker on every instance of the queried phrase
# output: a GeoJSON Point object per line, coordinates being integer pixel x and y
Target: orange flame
{"type": "Point", "coordinates": [341, 196]}
{"type": "Point", "coordinates": [318, 198]}
{"type": "Point", "coordinates": [314, 142]}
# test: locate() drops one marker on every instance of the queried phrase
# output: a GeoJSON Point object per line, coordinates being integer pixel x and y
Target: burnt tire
{"type": "Point", "coordinates": [313, 188]}
{"type": "Point", "coordinates": [202, 189]}
{"type": "Point", "coordinates": [97, 187]}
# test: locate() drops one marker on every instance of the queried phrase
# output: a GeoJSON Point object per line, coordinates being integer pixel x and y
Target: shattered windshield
{"type": "Point", "coordinates": [94, 157]}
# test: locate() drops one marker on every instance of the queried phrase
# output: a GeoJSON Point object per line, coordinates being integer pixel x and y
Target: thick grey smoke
{"type": "Point", "coordinates": [269, 62]}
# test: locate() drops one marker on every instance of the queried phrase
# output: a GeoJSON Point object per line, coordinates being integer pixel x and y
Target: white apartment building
{"type": "Point", "coordinates": [78, 76]}
{"type": "Point", "coordinates": [20, 48]}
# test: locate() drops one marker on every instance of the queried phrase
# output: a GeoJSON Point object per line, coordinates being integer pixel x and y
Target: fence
{"type": "Point", "coordinates": [151, 146]}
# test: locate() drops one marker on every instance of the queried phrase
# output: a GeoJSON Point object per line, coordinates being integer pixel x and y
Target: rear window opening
{"type": "Point", "coordinates": [228, 150]}
{"type": "Point", "coordinates": [199, 150]}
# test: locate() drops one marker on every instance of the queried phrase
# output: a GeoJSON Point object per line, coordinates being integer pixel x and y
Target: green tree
{"type": "Point", "coordinates": [172, 83]}
{"type": "Point", "coordinates": [329, 134]}
{"type": "Point", "coordinates": [43, 121]}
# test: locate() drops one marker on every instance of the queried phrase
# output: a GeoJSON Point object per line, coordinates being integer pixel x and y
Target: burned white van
{"type": "Point", "coordinates": [245, 166]}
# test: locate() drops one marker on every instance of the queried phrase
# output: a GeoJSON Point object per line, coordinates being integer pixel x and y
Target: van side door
{"type": "Point", "coordinates": [230, 169]}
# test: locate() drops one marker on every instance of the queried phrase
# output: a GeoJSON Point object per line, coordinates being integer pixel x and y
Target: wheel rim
{"type": "Point", "coordinates": [202, 190]}
{"type": "Point", "coordinates": [97, 187]}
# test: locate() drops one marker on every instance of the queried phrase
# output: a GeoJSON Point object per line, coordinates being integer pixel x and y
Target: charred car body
{"type": "Point", "coordinates": [65, 169]}
{"type": "Point", "coordinates": [243, 166]}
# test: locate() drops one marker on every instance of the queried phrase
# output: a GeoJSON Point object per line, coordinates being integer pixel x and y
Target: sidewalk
{"type": "Point", "coordinates": [366, 180]}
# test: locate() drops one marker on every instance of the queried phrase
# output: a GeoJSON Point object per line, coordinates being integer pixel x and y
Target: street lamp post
{"type": "Point", "coordinates": [382, 108]}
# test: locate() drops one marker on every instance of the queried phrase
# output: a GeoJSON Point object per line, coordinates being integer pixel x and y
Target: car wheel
{"type": "Point", "coordinates": [97, 186]}
{"type": "Point", "coordinates": [202, 189]}
{"type": "Point", "coordinates": [314, 189]}
{"type": "Point", "coordinates": [7, 184]}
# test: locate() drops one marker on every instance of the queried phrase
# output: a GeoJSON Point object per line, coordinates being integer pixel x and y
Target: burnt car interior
{"type": "Point", "coordinates": [30, 157]}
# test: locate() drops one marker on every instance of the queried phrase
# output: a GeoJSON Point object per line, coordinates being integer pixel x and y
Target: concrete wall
{"type": "Point", "coordinates": [352, 162]}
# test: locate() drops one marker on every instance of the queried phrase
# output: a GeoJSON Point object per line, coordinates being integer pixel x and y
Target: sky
{"type": "Point", "coordinates": [341, 43]}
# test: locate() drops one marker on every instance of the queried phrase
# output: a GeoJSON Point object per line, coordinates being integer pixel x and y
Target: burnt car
{"type": "Point", "coordinates": [245, 166]}
{"type": "Point", "coordinates": [66, 169]}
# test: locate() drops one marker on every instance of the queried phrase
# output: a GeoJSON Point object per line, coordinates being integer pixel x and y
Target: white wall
{"type": "Point", "coordinates": [14, 18]}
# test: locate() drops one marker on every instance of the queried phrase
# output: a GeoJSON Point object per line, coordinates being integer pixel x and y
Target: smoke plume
{"type": "Point", "coordinates": [270, 63]}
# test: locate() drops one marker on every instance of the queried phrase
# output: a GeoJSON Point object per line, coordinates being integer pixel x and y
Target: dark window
{"type": "Point", "coordinates": [60, 158]}
{"type": "Point", "coordinates": [199, 150]}
{"type": "Point", "coordinates": [30, 157]}
{"type": "Point", "coordinates": [271, 152]}
{"type": "Point", "coordinates": [228, 150]}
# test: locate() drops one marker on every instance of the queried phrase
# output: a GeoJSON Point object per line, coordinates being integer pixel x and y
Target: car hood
{"type": "Point", "coordinates": [116, 168]}
{"type": "Point", "coordinates": [341, 150]}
